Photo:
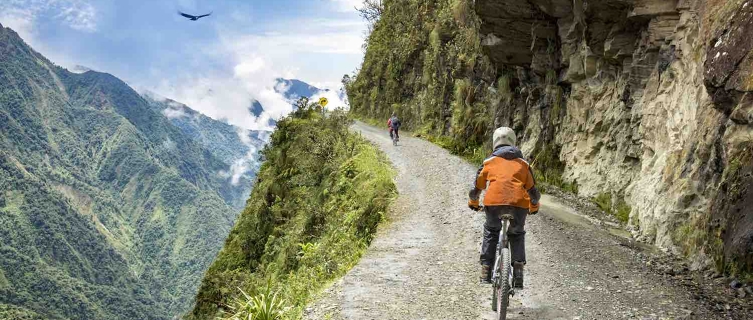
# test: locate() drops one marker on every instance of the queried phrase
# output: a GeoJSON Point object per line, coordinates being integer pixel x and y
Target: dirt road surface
{"type": "Point", "coordinates": [423, 263]}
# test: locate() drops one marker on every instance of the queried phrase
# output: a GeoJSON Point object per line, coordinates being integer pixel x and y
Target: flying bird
{"type": "Point", "coordinates": [193, 18]}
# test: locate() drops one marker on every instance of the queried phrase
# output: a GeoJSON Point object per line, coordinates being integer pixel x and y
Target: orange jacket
{"type": "Point", "coordinates": [510, 181]}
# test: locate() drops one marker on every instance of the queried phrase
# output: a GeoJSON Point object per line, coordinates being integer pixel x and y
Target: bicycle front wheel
{"type": "Point", "coordinates": [503, 287]}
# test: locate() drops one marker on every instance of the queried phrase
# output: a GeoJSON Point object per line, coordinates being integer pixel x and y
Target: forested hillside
{"type": "Point", "coordinates": [232, 145]}
{"type": "Point", "coordinates": [107, 209]}
{"type": "Point", "coordinates": [643, 106]}
{"type": "Point", "coordinates": [314, 209]}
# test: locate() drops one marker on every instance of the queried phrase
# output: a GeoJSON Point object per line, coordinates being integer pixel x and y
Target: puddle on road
{"type": "Point", "coordinates": [553, 207]}
{"type": "Point", "coordinates": [620, 233]}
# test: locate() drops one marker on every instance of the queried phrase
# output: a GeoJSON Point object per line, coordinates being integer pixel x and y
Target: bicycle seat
{"type": "Point", "coordinates": [506, 217]}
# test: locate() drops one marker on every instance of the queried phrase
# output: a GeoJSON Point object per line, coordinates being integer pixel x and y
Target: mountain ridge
{"type": "Point", "coordinates": [109, 209]}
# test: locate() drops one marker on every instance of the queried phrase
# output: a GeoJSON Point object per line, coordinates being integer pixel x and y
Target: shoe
{"type": "Point", "coordinates": [486, 274]}
{"type": "Point", "coordinates": [517, 274]}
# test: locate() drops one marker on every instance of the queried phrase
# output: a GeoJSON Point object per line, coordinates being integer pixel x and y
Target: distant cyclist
{"type": "Point", "coordinates": [511, 190]}
{"type": "Point", "coordinates": [394, 125]}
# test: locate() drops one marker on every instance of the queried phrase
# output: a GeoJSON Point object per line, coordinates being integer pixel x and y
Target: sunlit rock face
{"type": "Point", "coordinates": [647, 100]}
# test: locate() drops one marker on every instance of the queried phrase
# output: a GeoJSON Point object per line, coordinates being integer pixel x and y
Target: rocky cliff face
{"type": "Point", "coordinates": [646, 103]}
{"type": "Point", "coordinates": [656, 108]}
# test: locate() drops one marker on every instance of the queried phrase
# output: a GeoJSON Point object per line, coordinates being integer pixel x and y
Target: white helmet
{"type": "Point", "coordinates": [504, 136]}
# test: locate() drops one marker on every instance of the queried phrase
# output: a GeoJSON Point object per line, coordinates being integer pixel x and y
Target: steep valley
{"type": "Point", "coordinates": [112, 204]}
{"type": "Point", "coordinates": [121, 205]}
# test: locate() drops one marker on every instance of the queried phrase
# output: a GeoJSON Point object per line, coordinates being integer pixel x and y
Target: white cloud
{"type": "Point", "coordinates": [247, 68]}
{"type": "Point", "coordinates": [229, 97]}
{"type": "Point", "coordinates": [80, 69]}
{"type": "Point", "coordinates": [243, 165]}
{"type": "Point", "coordinates": [240, 168]}
{"type": "Point", "coordinates": [338, 42]}
{"type": "Point", "coordinates": [79, 15]}
{"type": "Point", "coordinates": [347, 5]}
{"type": "Point", "coordinates": [256, 61]}
{"type": "Point", "coordinates": [174, 113]}
{"type": "Point", "coordinates": [22, 20]}
{"type": "Point", "coordinates": [310, 49]}
{"type": "Point", "coordinates": [19, 20]}
{"type": "Point", "coordinates": [333, 99]}
{"type": "Point", "coordinates": [299, 47]}
{"type": "Point", "coordinates": [21, 14]}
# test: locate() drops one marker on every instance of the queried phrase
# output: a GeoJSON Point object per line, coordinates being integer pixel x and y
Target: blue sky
{"type": "Point", "coordinates": [217, 65]}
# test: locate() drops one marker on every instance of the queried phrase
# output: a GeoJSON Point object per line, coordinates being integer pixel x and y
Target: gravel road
{"type": "Point", "coordinates": [423, 264]}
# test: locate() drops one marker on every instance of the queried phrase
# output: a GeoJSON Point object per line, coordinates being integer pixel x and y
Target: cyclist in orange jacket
{"type": "Point", "coordinates": [511, 190]}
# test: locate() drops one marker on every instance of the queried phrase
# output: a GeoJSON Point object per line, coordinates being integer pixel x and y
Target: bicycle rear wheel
{"type": "Point", "coordinates": [495, 283]}
{"type": "Point", "coordinates": [503, 287]}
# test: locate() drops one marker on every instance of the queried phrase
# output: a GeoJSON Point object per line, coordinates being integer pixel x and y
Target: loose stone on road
{"type": "Point", "coordinates": [423, 263]}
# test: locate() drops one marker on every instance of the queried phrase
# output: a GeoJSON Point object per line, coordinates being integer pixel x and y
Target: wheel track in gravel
{"type": "Point", "coordinates": [423, 263]}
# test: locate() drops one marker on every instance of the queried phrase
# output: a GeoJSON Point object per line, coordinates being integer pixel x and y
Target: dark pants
{"type": "Point", "coordinates": [516, 233]}
{"type": "Point", "coordinates": [396, 132]}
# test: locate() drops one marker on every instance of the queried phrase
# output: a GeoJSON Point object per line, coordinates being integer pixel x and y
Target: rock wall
{"type": "Point", "coordinates": [657, 109]}
{"type": "Point", "coordinates": [644, 103]}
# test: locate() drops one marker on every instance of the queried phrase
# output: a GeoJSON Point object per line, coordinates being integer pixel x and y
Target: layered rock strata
{"type": "Point", "coordinates": [648, 101]}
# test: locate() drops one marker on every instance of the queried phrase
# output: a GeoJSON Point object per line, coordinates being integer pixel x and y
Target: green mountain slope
{"type": "Point", "coordinates": [107, 209]}
{"type": "Point", "coordinates": [232, 145]}
{"type": "Point", "coordinates": [318, 199]}
{"type": "Point", "coordinates": [16, 312]}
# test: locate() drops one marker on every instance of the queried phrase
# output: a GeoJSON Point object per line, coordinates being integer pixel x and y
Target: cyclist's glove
{"type": "Point", "coordinates": [533, 209]}
{"type": "Point", "coordinates": [474, 205]}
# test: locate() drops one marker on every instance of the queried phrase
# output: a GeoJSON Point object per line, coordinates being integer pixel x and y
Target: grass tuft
{"type": "Point", "coordinates": [264, 306]}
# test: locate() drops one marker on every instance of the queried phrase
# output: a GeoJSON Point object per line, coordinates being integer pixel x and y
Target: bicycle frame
{"type": "Point", "coordinates": [501, 243]}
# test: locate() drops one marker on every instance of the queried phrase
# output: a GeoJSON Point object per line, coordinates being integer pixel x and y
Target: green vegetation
{"type": "Point", "coordinates": [620, 209]}
{"type": "Point", "coordinates": [219, 138]}
{"type": "Point", "coordinates": [264, 306]}
{"type": "Point", "coordinates": [318, 199]}
{"type": "Point", "coordinates": [549, 169]}
{"type": "Point", "coordinates": [11, 312]}
{"type": "Point", "coordinates": [426, 73]}
{"type": "Point", "coordinates": [604, 202]}
{"type": "Point", "coordinates": [424, 60]}
{"type": "Point", "coordinates": [714, 234]}
{"type": "Point", "coordinates": [107, 210]}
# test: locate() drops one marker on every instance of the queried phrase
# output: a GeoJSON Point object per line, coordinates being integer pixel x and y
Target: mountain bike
{"type": "Point", "coordinates": [502, 272]}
